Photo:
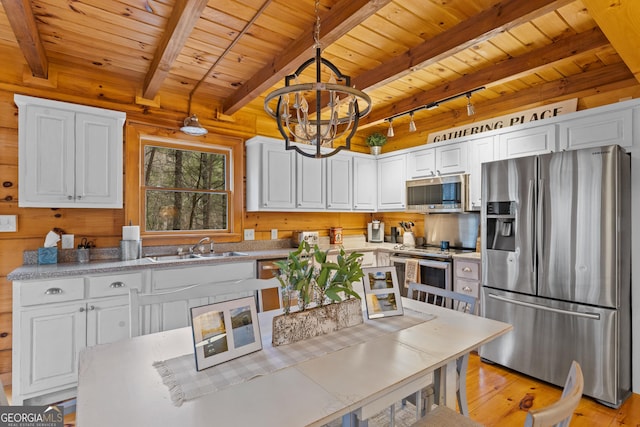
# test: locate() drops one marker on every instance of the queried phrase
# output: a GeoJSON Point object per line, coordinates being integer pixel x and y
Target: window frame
{"type": "Point", "coordinates": [137, 136]}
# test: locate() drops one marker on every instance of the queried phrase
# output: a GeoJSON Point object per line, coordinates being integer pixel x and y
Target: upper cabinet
{"type": "Point", "coordinates": [421, 163]}
{"type": "Point", "coordinates": [271, 176]}
{"type": "Point", "coordinates": [392, 192]}
{"type": "Point", "coordinates": [339, 182]}
{"type": "Point", "coordinates": [451, 158]}
{"type": "Point", "coordinates": [365, 190]}
{"type": "Point", "coordinates": [606, 128]}
{"type": "Point", "coordinates": [69, 155]}
{"type": "Point", "coordinates": [481, 150]}
{"type": "Point", "coordinates": [527, 142]}
{"type": "Point", "coordinates": [310, 182]}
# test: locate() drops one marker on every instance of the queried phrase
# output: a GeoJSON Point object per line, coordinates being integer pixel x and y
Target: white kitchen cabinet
{"type": "Point", "coordinates": [177, 314]}
{"type": "Point", "coordinates": [311, 183]}
{"type": "Point", "coordinates": [480, 150]}
{"type": "Point", "coordinates": [278, 177]}
{"type": "Point", "coordinates": [527, 142]}
{"type": "Point", "coordinates": [596, 130]}
{"type": "Point", "coordinates": [364, 183]}
{"type": "Point", "coordinates": [421, 163]}
{"type": "Point", "coordinates": [392, 183]}
{"type": "Point", "coordinates": [69, 155]}
{"type": "Point", "coordinates": [54, 320]}
{"type": "Point", "coordinates": [466, 280]}
{"type": "Point", "coordinates": [339, 182]}
{"type": "Point", "coordinates": [451, 158]}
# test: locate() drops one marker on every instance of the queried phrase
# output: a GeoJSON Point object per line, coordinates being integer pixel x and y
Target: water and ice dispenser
{"type": "Point", "coordinates": [501, 226]}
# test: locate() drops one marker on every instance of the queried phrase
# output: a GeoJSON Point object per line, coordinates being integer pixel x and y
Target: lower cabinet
{"type": "Point", "coordinates": [466, 278]}
{"type": "Point", "coordinates": [53, 320]}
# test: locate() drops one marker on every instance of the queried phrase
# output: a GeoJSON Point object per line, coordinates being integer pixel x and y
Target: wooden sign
{"type": "Point", "coordinates": [527, 116]}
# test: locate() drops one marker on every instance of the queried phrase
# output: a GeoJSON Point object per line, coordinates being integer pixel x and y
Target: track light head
{"type": "Point", "coordinates": [390, 132]}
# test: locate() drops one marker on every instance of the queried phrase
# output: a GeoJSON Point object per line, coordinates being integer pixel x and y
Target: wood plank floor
{"type": "Point", "coordinates": [500, 397]}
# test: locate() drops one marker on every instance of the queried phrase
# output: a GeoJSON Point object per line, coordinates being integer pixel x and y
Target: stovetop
{"type": "Point", "coordinates": [433, 251]}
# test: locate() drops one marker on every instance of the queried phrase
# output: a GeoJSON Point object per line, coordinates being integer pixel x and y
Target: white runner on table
{"type": "Point", "coordinates": [185, 383]}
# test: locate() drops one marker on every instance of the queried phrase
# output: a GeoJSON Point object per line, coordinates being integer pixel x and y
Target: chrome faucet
{"type": "Point", "coordinates": [201, 241]}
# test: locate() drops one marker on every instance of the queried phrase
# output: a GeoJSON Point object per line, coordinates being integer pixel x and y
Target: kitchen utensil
{"type": "Point", "coordinates": [86, 244]}
{"type": "Point", "coordinates": [444, 245]}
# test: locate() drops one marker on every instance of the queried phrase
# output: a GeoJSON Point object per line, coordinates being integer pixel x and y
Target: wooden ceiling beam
{"type": "Point", "coordinates": [507, 70]}
{"type": "Point", "coordinates": [344, 15]}
{"type": "Point", "coordinates": [24, 27]}
{"type": "Point", "coordinates": [620, 22]}
{"type": "Point", "coordinates": [182, 21]}
{"type": "Point", "coordinates": [481, 27]}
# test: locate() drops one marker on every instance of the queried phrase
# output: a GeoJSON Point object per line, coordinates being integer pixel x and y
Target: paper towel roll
{"type": "Point", "coordinates": [131, 232]}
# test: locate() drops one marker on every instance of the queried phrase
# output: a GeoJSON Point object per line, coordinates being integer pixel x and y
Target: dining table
{"type": "Point", "coordinates": [119, 385]}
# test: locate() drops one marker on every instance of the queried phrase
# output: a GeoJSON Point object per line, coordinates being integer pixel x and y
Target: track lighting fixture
{"type": "Point", "coordinates": [390, 132]}
{"type": "Point", "coordinates": [412, 124]}
{"type": "Point", "coordinates": [470, 110]}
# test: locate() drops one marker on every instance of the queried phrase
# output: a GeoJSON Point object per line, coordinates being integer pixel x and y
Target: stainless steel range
{"type": "Point", "coordinates": [436, 265]}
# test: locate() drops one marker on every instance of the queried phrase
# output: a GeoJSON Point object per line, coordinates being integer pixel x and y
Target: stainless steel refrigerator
{"type": "Point", "coordinates": [556, 233]}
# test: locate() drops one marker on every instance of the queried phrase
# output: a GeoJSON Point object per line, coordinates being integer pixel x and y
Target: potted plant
{"type": "Point", "coordinates": [375, 141]}
{"type": "Point", "coordinates": [324, 290]}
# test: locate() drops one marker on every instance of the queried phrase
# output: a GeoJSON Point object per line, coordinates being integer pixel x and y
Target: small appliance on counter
{"type": "Point", "coordinates": [311, 237]}
{"type": "Point", "coordinates": [408, 239]}
{"type": "Point", "coordinates": [375, 231]}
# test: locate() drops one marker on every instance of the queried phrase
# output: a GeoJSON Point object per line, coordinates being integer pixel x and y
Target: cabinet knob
{"type": "Point", "coordinates": [467, 269]}
{"type": "Point", "coordinates": [82, 310]}
{"type": "Point", "coordinates": [79, 197]}
{"type": "Point", "coordinates": [69, 197]}
{"type": "Point", "coordinates": [466, 289]}
{"type": "Point", "coordinates": [53, 291]}
{"type": "Point", "coordinates": [116, 285]}
{"type": "Point", "coordinates": [92, 307]}
{"type": "Point", "coordinates": [438, 171]}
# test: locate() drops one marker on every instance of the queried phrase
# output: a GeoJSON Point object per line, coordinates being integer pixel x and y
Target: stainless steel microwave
{"type": "Point", "coordinates": [442, 194]}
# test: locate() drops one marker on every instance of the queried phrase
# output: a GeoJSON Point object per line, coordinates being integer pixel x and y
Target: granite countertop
{"type": "Point", "coordinates": [470, 255]}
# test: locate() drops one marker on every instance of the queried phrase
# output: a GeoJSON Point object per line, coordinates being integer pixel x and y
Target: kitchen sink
{"type": "Point", "coordinates": [193, 257]}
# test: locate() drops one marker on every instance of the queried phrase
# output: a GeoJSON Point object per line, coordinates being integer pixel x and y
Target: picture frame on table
{"type": "Point", "coordinates": [225, 330]}
{"type": "Point", "coordinates": [382, 292]}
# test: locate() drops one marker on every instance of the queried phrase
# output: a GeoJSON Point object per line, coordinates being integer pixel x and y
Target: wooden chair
{"type": "Point", "coordinates": [455, 301]}
{"type": "Point", "coordinates": [220, 291]}
{"type": "Point", "coordinates": [557, 414]}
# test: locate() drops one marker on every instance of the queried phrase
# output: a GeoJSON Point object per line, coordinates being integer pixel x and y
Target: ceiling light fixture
{"type": "Point", "coordinates": [315, 125]}
{"type": "Point", "coordinates": [470, 110]}
{"type": "Point", "coordinates": [390, 132]}
{"type": "Point", "coordinates": [432, 106]}
{"type": "Point", "coordinates": [193, 127]}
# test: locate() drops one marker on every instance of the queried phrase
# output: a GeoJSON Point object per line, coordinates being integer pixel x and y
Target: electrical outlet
{"type": "Point", "coordinates": [249, 234]}
{"type": "Point", "coordinates": [8, 223]}
{"type": "Point", "coordinates": [274, 233]}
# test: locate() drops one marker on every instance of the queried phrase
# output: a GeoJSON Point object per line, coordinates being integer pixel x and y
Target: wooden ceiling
{"type": "Point", "coordinates": [403, 53]}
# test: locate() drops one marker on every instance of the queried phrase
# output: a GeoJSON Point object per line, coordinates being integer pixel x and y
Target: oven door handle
{"type": "Point", "coordinates": [442, 265]}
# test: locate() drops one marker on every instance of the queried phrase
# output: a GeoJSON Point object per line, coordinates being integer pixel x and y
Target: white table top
{"type": "Point", "coordinates": [119, 386]}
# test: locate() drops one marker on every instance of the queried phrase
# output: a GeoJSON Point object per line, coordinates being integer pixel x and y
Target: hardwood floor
{"type": "Point", "coordinates": [500, 397]}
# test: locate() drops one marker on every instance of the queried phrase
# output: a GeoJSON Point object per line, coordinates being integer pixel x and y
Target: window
{"type": "Point", "coordinates": [185, 188]}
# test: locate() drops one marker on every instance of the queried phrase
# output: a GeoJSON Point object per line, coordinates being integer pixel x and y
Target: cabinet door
{"type": "Point", "coordinates": [392, 183]}
{"type": "Point", "coordinates": [421, 163]}
{"type": "Point", "coordinates": [364, 183]}
{"type": "Point", "coordinates": [46, 157]}
{"type": "Point", "coordinates": [98, 148]}
{"type": "Point", "coordinates": [339, 182]}
{"type": "Point", "coordinates": [480, 150]}
{"type": "Point", "coordinates": [279, 177]}
{"type": "Point", "coordinates": [528, 142]}
{"type": "Point", "coordinates": [51, 338]}
{"type": "Point", "coordinates": [107, 320]}
{"type": "Point", "coordinates": [597, 130]}
{"type": "Point", "coordinates": [451, 158]}
{"type": "Point", "coordinates": [310, 183]}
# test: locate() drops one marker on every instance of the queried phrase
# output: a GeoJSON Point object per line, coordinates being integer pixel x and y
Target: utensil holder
{"type": "Point", "coordinates": [130, 249]}
{"type": "Point", "coordinates": [83, 255]}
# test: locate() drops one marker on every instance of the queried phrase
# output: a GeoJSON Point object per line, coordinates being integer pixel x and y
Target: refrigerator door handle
{"type": "Point", "coordinates": [540, 221]}
{"type": "Point", "coordinates": [594, 316]}
{"type": "Point", "coordinates": [531, 225]}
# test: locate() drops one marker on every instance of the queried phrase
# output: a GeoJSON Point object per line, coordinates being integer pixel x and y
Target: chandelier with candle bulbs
{"type": "Point", "coordinates": [318, 113]}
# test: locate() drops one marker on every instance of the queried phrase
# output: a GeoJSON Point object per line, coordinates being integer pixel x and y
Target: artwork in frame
{"type": "Point", "coordinates": [382, 293]}
{"type": "Point", "coordinates": [225, 330]}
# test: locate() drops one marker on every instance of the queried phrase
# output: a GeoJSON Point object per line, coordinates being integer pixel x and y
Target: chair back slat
{"type": "Point", "coordinates": [442, 297]}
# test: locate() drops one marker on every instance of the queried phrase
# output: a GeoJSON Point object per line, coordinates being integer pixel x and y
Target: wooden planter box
{"type": "Point", "coordinates": [300, 325]}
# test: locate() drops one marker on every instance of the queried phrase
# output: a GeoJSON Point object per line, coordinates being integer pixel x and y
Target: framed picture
{"type": "Point", "coordinates": [382, 293]}
{"type": "Point", "coordinates": [225, 330]}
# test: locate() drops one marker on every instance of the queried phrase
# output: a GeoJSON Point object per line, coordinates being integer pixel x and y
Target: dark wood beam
{"type": "Point", "coordinates": [24, 27]}
{"type": "Point", "coordinates": [509, 69]}
{"type": "Point", "coordinates": [344, 15]}
{"type": "Point", "coordinates": [183, 18]}
{"type": "Point", "coordinates": [481, 27]}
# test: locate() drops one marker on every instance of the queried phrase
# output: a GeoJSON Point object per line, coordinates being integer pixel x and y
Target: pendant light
{"type": "Point", "coordinates": [295, 114]}
{"type": "Point", "coordinates": [193, 127]}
